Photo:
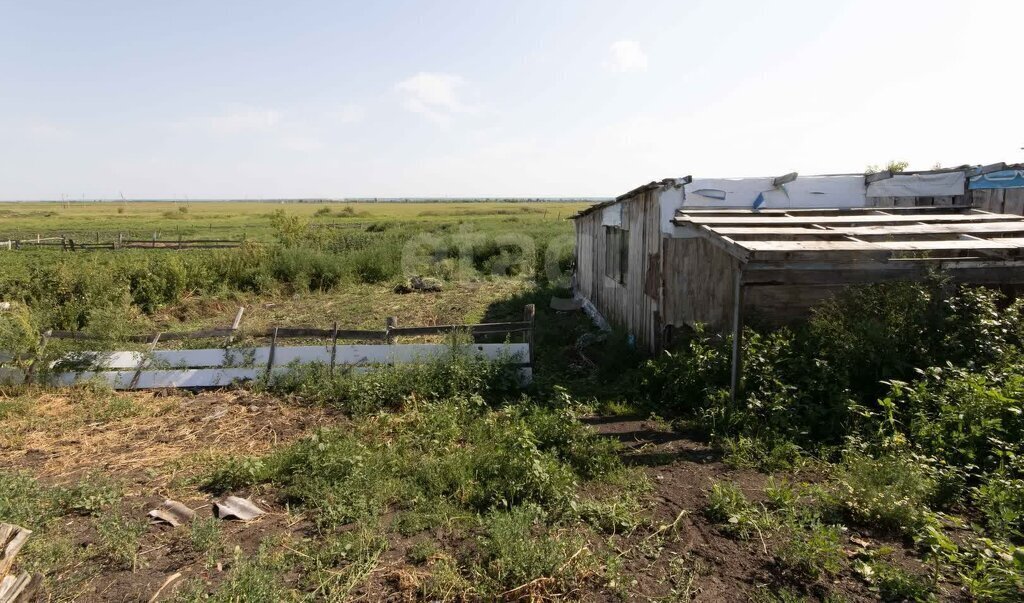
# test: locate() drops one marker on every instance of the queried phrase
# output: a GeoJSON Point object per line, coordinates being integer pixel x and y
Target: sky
{"type": "Point", "coordinates": [541, 98]}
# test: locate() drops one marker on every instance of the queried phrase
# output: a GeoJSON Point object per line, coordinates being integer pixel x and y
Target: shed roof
{"type": "Point", "coordinates": [864, 239]}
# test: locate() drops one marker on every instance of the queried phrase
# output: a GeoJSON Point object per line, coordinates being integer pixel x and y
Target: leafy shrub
{"type": "Point", "coordinates": [18, 333]}
{"type": "Point", "coordinates": [1001, 500]}
{"type": "Point", "coordinates": [890, 491]}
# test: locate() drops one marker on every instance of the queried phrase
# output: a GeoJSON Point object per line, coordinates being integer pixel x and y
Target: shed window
{"type": "Point", "coordinates": [617, 253]}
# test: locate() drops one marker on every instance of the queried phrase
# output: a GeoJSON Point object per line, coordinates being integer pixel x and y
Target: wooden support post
{"type": "Point", "coordinates": [334, 346]}
{"type": "Point", "coordinates": [737, 332]}
{"type": "Point", "coordinates": [235, 324]}
{"type": "Point", "coordinates": [530, 316]}
{"type": "Point", "coordinates": [392, 323]}
{"type": "Point", "coordinates": [145, 360]}
{"type": "Point", "coordinates": [273, 348]}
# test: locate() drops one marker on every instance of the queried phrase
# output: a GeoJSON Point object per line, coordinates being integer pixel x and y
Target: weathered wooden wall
{"type": "Point", "coordinates": [632, 305]}
{"type": "Point", "coordinates": [698, 284]}
{"type": "Point", "coordinates": [995, 200]}
{"type": "Point", "coordinates": [999, 200]}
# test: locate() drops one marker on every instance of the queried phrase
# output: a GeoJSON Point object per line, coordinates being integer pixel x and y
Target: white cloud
{"type": "Point", "coordinates": [434, 95]}
{"type": "Point", "coordinates": [348, 114]}
{"type": "Point", "coordinates": [45, 131]}
{"type": "Point", "coordinates": [244, 119]}
{"type": "Point", "coordinates": [303, 144]}
{"type": "Point", "coordinates": [626, 56]}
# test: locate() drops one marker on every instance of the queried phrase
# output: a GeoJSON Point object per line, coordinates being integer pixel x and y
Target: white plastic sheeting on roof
{"type": "Point", "coordinates": [918, 185]}
{"type": "Point", "coordinates": [759, 193]}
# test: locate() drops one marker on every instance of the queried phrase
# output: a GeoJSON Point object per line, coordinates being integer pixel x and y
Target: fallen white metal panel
{"type": "Point", "coordinates": [260, 357]}
{"type": "Point", "coordinates": [220, 367]}
{"type": "Point", "coordinates": [918, 185]}
{"type": "Point", "coordinates": [161, 379]}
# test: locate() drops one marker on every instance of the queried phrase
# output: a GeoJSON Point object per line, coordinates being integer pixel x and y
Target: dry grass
{"type": "Point", "coordinates": [149, 436]}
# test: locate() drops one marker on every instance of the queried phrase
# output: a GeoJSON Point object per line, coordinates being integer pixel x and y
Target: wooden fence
{"type": "Point", "coordinates": [67, 243]}
{"type": "Point", "coordinates": [222, 366]}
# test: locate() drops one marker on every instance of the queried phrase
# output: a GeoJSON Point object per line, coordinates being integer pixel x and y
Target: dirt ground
{"type": "Point", "coordinates": [162, 442]}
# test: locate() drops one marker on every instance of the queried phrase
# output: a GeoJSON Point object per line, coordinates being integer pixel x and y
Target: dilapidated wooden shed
{"type": "Point", "coordinates": [779, 263]}
{"type": "Point", "coordinates": [674, 253]}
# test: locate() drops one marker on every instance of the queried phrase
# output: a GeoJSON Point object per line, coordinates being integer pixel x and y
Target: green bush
{"type": "Point", "coordinates": [890, 491]}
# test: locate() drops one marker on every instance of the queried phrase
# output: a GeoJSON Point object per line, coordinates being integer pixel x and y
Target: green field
{"type": "Point", "coordinates": [874, 451]}
{"type": "Point", "coordinates": [237, 219]}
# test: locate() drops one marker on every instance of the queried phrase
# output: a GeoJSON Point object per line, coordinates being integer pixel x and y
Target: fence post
{"type": "Point", "coordinates": [142, 363]}
{"type": "Point", "coordinates": [530, 316]}
{"type": "Point", "coordinates": [334, 346]}
{"type": "Point", "coordinates": [391, 324]}
{"type": "Point", "coordinates": [235, 324]}
{"type": "Point", "coordinates": [154, 240]}
{"type": "Point", "coordinates": [273, 348]}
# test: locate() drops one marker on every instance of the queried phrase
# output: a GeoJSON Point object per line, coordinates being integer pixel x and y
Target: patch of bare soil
{"type": "Point", "coordinates": [698, 562]}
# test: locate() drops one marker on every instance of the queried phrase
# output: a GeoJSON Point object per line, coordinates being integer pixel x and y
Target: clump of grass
{"type": "Point", "coordinates": [421, 551]}
{"type": "Point", "coordinates": [338, 564]}
{"type": "Point", "coordinates": [728, 506]}
{"type": "Point", "coordinates": [90, 496]}
{"type": "Point", "coordinates": [519, 552]}
{"type": "Point", "coordinates": [119, 539]}
{"type": "Point", "coordinates": [890, 491]}
{"type": "Point", "coordinates": [893, 583]}
{"type": "Point", "coordinates": [256, 578]}
{"type": "Point", "coordinates": [206, 537]}
{"type": "Point", "coordinates": [812, 552]}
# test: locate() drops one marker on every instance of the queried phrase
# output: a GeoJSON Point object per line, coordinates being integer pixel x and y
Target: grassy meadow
{"type": "Point", "coordinates": [253, 220]}
{"type": "Point", "coordinates": [874, 452]}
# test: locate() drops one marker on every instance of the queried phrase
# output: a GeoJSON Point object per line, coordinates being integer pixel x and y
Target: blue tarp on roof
{"type": "Point", "coordinates": [1001, 179]}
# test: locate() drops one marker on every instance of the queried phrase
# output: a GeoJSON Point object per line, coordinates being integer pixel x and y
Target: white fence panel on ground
{"type": "Point", "coordinates": [222, 367]}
